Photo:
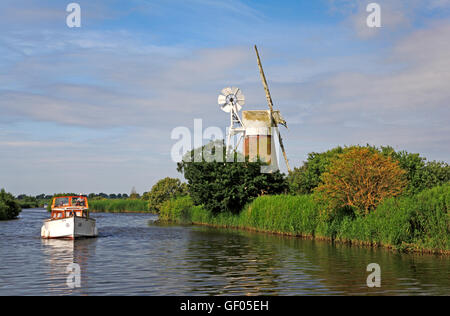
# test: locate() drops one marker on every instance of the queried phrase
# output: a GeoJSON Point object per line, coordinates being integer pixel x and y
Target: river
{"type": "Point", "coordinates": [132, 256]}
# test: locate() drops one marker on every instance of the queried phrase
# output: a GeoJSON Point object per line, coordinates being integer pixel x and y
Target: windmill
{"type": "Point", "coordinates": [256, 126]}
{"type": "Point", "coordinates": [275, 116]}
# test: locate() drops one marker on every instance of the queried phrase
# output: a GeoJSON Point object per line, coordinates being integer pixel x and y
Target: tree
{"type": "Point", "coordinates": [228, 186]}
{"type": "Point", "coordinates": [103, 195]}
{"type": "Point", "coordinates": [165, 189]}
{"type": "Point", "coordinates": [360, 178]}
{"type": "Point", "coordinates": [9, 207]}
{"type": "Point", "coordinates": [305, 179]}
{"type": "Point", "coordinates": [421, 174]}
{"type": "Point", "coordinates": [437, 173]}
{"type": "Point", "coordinates": [26, 201]}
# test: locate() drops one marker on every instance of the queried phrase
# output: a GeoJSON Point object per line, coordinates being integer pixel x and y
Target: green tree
{"type": "Point", "coordinates": [421, 174]}
{"type": "Point", "coordinates": [26, 201]}
{"type": "Point", "coordinates": [304, 179]}
{"type": "Point", "coordinates": [165, 189]}
{"type": "Point", "coordinates": [228, 186]}
{"type": "Point", "coordinates": [9, 207]}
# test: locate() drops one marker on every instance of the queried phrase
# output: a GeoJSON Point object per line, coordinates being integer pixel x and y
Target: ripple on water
{"type": "Point", "coordinates": [131, 257]}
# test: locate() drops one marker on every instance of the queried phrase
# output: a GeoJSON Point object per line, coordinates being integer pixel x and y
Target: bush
{"type": "Point", "coordinates": [176, 210]}
{"type": "Point", "coordinates": [9, 207]}
{"type": "Point", "coordinates": [228, 186]}
{"type": "Point", "coordinates": [165, 189]}
{"type": "Point", "coordinates": [297, 215]}
{"type": "Point", "coordinates": [360, 179]}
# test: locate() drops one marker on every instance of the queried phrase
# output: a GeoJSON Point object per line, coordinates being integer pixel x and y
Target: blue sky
{"type": "Point", "coordinates": [91, 109]}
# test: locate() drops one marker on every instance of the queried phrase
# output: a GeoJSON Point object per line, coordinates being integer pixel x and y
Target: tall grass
{"type": "Point", "coordinates": [118, 206]}
{"type": "Point", "coordinates": [177, 210]}
{"type": "Point", "coordinates": [420, 222]}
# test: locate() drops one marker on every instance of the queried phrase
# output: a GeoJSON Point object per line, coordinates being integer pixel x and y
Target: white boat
{"type": "Point", "coordinates": [69, 219]}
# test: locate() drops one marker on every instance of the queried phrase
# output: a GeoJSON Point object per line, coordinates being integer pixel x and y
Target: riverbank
{"type": "Point", "coordinates": [417, 223]}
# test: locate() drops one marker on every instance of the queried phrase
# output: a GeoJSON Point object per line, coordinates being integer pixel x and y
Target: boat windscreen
{"type": "Point", "coordinates": [61, 201]}
{"type": "Point", "coordinates": [78, 202]}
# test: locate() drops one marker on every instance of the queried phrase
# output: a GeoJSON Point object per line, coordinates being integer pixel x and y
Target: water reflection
{"type": "Point", "coordinates": [132, 258]}
{"type": "Point", "coordinates": [233, 263]}
{"type": "Point", "coordinates": [59, 254]}
{"type": "Point", "coordinates": [342, 268]}
{"type": "Point", "coordinates": [270, 264]}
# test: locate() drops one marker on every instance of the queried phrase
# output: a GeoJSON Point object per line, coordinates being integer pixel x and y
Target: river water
{"type": "Point", "coordinates": [132, 256]}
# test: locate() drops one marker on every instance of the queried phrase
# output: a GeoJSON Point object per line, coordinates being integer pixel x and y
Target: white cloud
{"type": "Point", "coordinates": [127, 93]}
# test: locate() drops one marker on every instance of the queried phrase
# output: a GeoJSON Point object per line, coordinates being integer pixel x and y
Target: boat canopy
{"type": "Point", "coordinates": [70, 201]}
{"type": "Point", "coordinates": [68, 206]}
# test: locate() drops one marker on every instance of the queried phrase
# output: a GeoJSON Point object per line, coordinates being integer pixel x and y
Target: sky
{"type": "Point", "coordinates": [91, 109]}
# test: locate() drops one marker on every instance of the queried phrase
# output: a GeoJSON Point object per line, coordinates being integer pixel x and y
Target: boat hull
{"type": "Point", "coordinates": [70, 228]}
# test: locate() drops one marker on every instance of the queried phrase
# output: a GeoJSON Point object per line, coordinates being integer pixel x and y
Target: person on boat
{"type": "Point", "coordinates": [79, 202]}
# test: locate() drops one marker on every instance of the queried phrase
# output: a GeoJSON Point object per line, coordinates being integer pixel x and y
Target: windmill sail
{"type": "Point", "coordinates": [276, 118]}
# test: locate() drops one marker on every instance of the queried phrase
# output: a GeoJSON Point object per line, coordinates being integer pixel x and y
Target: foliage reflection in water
{"type": "Point", "coordinates": [131, 257]}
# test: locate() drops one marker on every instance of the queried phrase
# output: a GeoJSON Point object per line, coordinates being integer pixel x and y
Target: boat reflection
{"type": "Point", "coordinates": [59, 254]}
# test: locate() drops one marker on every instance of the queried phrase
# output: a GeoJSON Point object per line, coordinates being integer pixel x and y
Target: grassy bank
{"type": "Point", "coordinates": [418, 223]}
{"type": "Point", "coordinates": [118, 206]}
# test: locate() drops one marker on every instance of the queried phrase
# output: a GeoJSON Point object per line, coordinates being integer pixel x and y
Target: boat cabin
{"type": "Point", "coordinates": [69, 206]}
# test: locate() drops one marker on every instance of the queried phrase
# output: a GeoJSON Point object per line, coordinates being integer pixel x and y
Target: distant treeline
{"type": "Point", "coordinates": [46, 197]}
{"type": "Point", "coordinates": [29, 201]}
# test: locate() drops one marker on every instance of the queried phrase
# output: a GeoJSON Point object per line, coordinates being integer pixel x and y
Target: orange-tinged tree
{"type": "Point", "coordinates": [360, 178]}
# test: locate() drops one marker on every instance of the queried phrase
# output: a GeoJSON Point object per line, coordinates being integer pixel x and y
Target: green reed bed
{"type": "Point", "coordinates": [415, 223]}
{"type": "Point", "coordinates": [118, 206]}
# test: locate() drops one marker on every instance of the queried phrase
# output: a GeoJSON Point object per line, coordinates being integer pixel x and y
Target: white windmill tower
{"type": "Point", "coordinates": [231, 101]}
